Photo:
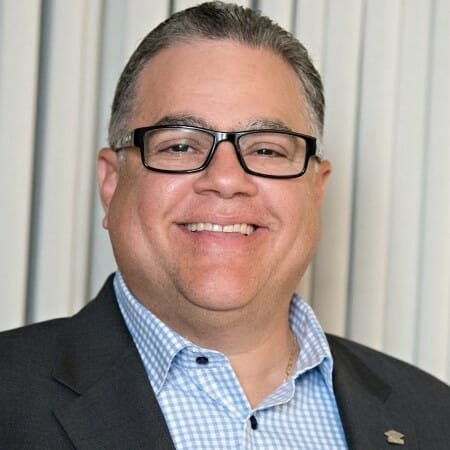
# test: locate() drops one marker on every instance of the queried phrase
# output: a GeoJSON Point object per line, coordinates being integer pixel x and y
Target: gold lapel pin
{"type": "Point", "coordinates": [394, 437]}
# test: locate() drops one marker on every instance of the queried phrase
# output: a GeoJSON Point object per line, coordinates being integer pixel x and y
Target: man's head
{"type": "Point", "coordinates": [218, 245]}
{"type": "Point", "coordinates": [217, 21]}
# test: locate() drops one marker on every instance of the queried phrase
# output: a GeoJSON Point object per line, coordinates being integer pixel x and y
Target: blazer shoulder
{"type": "Point", "coordinates": [386, 366]}
{"type": "Point", "coordinates": [405, 380]}
{"type": "Point", "coordinates": [36, 346]}
{"type": "Point", "coordinates": [30, 346]}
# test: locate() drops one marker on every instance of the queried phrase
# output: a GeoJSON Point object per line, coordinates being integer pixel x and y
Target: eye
{"type": "Point", "coordinates": [176, 143]}
{"type": "Point", "coordinates": [174, 147]}
{"type": "Point", "coordinates": [264, 151]}
{"type": "Point", "coordinates": [177, 148]}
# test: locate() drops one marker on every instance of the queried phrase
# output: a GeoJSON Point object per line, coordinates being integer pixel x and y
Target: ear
{"type": "Point", "coordinates": [323, 171]}
{"type": "Point", "coordinates": [107, 177]}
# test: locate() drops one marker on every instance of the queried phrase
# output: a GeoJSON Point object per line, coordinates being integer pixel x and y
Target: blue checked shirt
{"type": "Point", "coordinates": [203, 402]}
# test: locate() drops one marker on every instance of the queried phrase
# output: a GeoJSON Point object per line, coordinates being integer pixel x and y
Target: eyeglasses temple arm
{"type": "Point", "coordinates": [124, 141]}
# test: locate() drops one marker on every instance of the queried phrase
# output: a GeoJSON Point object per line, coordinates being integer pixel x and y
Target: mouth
{"type": "Point", "coordinates": [241, 228]}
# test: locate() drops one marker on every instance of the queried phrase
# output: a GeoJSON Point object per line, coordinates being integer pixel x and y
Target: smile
{"type": "Point", "coordinates": [242, 228]}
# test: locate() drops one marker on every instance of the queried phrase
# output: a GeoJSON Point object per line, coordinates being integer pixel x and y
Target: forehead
{"type": "Point", "coordinates": [223, 83]}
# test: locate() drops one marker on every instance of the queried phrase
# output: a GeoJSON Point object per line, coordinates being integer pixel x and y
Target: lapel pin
{"type": "Point", "coordinates": [394, 437]}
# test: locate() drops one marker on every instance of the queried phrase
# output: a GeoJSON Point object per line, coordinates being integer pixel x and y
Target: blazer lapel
{"type": "Point", "coordinates": [365, 404]}
{"type": "Point", "coordinates": [111, 404]}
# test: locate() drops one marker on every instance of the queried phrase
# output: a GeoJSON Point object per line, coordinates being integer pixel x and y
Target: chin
{"type": "Point", "coordinates": [220, 295]}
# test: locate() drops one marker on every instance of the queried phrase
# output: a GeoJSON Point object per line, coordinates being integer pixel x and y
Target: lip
{"type": "Point", "coordinates": [219, 219]}
{"type": "Point", "coordinates": [214, 235]}
{"type": "Point", "coordinates": [240, 228]}
{"type": "Point", "coordinates": [214, 239]}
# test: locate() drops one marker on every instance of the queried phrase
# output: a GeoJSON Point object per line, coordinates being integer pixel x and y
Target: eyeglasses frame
{"type": "Point", "coordinates": [135, 138]}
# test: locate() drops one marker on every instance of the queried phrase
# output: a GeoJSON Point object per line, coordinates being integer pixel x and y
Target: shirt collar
{"type": "Point", "coordinates": [314, 349]}
{"type": "Point", "coordinates": [158, 344]}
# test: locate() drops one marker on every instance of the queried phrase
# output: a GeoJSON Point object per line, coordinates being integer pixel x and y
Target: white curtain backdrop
{"type": "Point", "coordinates": [382, 272]}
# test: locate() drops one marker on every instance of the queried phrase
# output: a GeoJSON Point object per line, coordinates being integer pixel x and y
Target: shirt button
{"type": "Point", "coordinates": [203, 360]}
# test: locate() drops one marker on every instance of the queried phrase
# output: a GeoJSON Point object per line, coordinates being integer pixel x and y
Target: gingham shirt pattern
{"type": "Point", "coordinates": [203, 402]}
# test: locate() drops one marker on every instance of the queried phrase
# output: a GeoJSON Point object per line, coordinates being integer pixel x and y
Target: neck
{"type": "Point", "coordinates": [262, 369]}
{"type": "Point", "coordinates": [260, 347]}
{"type": "Point", "coordinates": [260, 351]}
{"type": "Point", "coordinates": [255, 337]}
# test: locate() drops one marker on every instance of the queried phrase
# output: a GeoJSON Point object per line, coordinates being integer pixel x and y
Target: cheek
{"type": "Point", "coordinates": [304, 221]}
{"type": "Point", "coordinates": [145, 204]}
{"type": "Point", "coordinates": [125, 212]}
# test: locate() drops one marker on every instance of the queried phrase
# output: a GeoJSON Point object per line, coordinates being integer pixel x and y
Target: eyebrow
{"type": "Point", "coordinates": [183, 119]}
{"type": "Point", "coordinates": [260, 124]}
{"type": "Point", "coordinates": [193, 121]}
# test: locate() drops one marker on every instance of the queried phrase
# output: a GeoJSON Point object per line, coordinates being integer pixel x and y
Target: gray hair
{"type": "Point", "coordinates": [217, 21]}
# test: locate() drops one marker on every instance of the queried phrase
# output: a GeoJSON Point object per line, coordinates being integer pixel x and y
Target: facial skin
{"type": "Point", "coordinates": [204, 284]}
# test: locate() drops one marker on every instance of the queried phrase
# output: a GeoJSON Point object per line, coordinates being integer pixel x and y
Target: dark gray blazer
{"type": "Point", "coordinates": [79, 383]}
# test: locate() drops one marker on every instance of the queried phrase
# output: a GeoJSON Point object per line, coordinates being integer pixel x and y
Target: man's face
{"type": "Point", "coordinates": [183, 275]}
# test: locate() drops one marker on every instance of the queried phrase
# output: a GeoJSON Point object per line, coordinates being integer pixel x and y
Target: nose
{"type": "Point", "coordinates": [225, 175]}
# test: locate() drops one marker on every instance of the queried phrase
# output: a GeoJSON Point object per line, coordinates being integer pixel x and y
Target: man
{"type": "Point", "coordinates": [197, 342]}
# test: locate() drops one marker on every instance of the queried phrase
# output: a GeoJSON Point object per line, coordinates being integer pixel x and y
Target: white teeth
{"type": "Point", "coordinates": [242, 228]}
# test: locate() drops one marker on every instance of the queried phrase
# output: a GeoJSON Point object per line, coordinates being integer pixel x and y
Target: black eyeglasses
{"type": "Point", "coordinates": [187, 149]}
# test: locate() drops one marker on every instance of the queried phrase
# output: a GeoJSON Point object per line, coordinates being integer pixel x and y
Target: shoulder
{"type": "Point", "coordinates": [406, 383]}
{"type": "Point", "coordinates": [30, 347]}
{"type": "Point", "coordinates": [27, 394]}
{"type": "Point", "coordinates": [374, 358]}
{"type": "Point", "coordinates": [31, 358]}
{"type": "Point", "coordinates": [377, 392]}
